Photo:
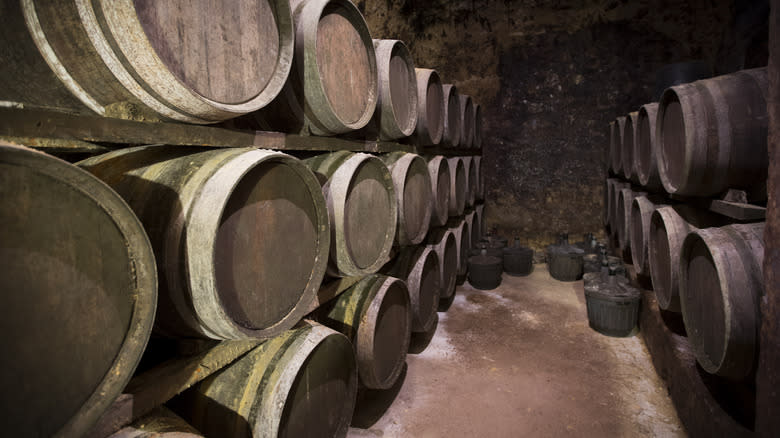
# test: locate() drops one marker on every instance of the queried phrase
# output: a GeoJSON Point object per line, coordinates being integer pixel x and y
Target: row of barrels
{"type": "Point", "coordinates": [299, 66]}
{"type": "Point", "coordinates": [701, 139]}
{"type": "Point", "coordinates": [190, 242]}
{"type": "Point", "coordinates": [304, 382]}
{"type": "Point", "coordinates": [702, 264]}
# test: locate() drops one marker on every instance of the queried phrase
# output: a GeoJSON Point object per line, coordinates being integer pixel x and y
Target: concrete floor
{"type": "Point", "coordinates": [520, 361]}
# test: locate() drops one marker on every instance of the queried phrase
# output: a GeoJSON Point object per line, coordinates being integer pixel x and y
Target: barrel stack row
{"type": "Point", "coordinates": [700, 141]}
{"type": "Point", "coordinates": [297, 66]}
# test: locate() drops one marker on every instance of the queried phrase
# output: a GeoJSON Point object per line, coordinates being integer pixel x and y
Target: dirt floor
{"type": "Point", "coordinates": [518, 361]}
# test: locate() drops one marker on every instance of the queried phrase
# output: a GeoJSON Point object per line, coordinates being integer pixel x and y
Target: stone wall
{"type": "Point", "coordinates": [550, 76]}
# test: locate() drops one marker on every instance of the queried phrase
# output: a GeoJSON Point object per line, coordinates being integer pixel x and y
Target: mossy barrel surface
{"type": "Point", "coordinates": [160, 423]}
{"type": "Point", "coordinates": [80, 291]}
{"type": "Point", "coordinates": [240, 235]}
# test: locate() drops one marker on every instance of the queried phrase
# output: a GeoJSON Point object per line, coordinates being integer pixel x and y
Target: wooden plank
{"type": "Point", "coordinates": [158, 385]}
{"type": "Point", "coordinates": [738, 210]}
{"type": "Point", "coordinates": [57, 145]}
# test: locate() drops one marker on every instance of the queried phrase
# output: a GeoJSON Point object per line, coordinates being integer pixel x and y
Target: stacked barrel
{"type": "Point", "coordinates": [227, 243]}
{"type": "Point", "coordinates": [703, 143]}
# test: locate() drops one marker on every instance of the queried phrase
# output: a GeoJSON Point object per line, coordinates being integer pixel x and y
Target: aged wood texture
{"type": "Point", "coordinates": [146, 60]}
{"type": "Point", "coordinates": [711, 135]}
{"type": "Point", "coordinates": [430, 108]}
{"type": "Point", "coordinates": [458, 186]}
{"type": "Point", "coordinates": [442, 240]}
{"type": "Point", "coordinates": [477, 126]}
{"type": "Point", "coordinates": [623, 216]}
{"type": "Point", "coordinates": [466, 121]}
{"type": "Point", "coordinates": [419, 267]}
{"type": "Point", "coordinates": [645, 157]}
{"type": "Point", "coordinates": [451, 134]}
{"type": "Point", "coordinates": [472, 183]}
{"type": "Point", "coordinates": [413, 191]}
{"type": "Point", "coordinates": [160, 423]}
{"type": "Point", "coordinates": [617, 129]}
{"type": "Point", "coordinates": [439, 171]}
{"type": "Point", "coordinates": [460, 229]}
{"type": "Point", "coordinates": [642, 208]}
{"type": "Point", "coordinates": [397, 107]}
{"type": "Point", "coordinates": [627, 154]}
{"type": "Point", "coordinates": [79, 295]}
{"type": "Point", "coordinates": [241, 236]}
{"type": "Point", "coordinates": [476, 161]}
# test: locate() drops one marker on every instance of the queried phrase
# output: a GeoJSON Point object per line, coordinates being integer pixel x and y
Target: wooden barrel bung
{"type": "Point", "coordinates": [721, 285]}
{"type": "Point", "coordinates": [645, 148]}
{"type": "Point", "coordinates": [160, 423]}
{"type": "Point", "coordinates": [627, 156]}
{"type": "Point", "coordinates": [471, 180]}
{"type": "Point", "coordinates": [466, 121]}
{"type": "Point", "coordinates": [617, 129]}
{"type": "Point", "coordinates": [451, 134]}
{"type": "Point", "coordinates": [419, 267]}
{"type": "Point", "coordinates": [623, 216]}
{"type": "Point", "coordinates": [439, 170]}
{"type": "Point", "coordinates": [668, 228]}
{"type": "Point", "coordinates": [642, 208]}
{"type": "Point", "coordinates": [442, 240]}
{"type": "Point", "coordinates": [301, 383]}
{"type": "Point", "coordinates": [363, 211]}
{"type": "Point", "coordinates": [79, 295]}
{"type": "Point", "coordinates": [145, 59]}
{"type": "Point", "coordinates": [240, 235]}
{"type": "Point", "coordinates": [430, 108]}
{"type": "Point", "coordinates": [397, 101]}
{"type": "Point", "coordinates": [458, 186]}
{"type": "Point", "coordinates": [375, 314]}
{"type": "Point", "coordinates": [711, 135]}
{"type": "Point", "coordinates": [412, 183]}
{"type": "Point", "coordinates": [477, 126]}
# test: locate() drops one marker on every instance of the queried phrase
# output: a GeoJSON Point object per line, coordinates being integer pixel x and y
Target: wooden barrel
{"type": "Point", "coordinates": [480, 210]}
{"type": "Point", "coordinates": [458, 186]}
{"type": "Point", "coordinates": [627, 157]}
{"type": "Point", "coordinates": [363, 211]}
{"type": "Point", "coordinates": [443, 242]}
{"type": "Point", "coordinates": [141, 60]}
{"type": "Point", "coordinates": [439, 170]}
{"type": "Point", "coordinates": [623, 216]}
{"type": "Point", "coordinates": [471, 180]}
{"type": "Point", "coordinates": [451, 133]}
{"type": "Point", "coordinates": [79, 293]}
{"type": "Point", "coordinates": [160, 423]}
{"type": "Point", "coordinates": [721, 287]}
{"type": "Point", "coordinates": [412, 183]}
{"type": "Point", "coordinates": [711, 135]}
{"type": "Point", "coordinates": [613, 191]}
{"type": "Point", "coordinates": [302, 382]}
{"type": "Point", "coordinates": [668, 227]}
{"type": "Point", "coordinates": [477, 161]}
{"type": "Point", "coordinates": [477, 126]}
{"type": "Point", "coordinates": [430, 108]}
{"type": "Point", "coordinates": [240, 235]}
{"type": "Point", "coordinates": [332, 87]}
{"type": "Point", "coordinates": [396, 107]}
{"type": "Point", "coordinates": [460, 229]}
{"type": "Point", "coordinates": [375, 314]}
{"type": "Point", "coordinates": [474, 233]}
{"type": "Point", "coordinates": [466, 121]}
{"type": "Point", "coordinates": [611, 169]}
{"type": "Point", "coordinates": [617, 130]}
{"type": "Point", "coordinates": [419, 267]}
{"type": "Point", "coordinates": [642, 209]}
{"type": "Point", "coordinates": [645, 149]}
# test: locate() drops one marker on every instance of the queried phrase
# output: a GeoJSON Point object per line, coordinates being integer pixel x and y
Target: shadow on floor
{"type": "Point", "coordinates": [419, 341]}
{"type": "Point", "coordinates": [373, 403]}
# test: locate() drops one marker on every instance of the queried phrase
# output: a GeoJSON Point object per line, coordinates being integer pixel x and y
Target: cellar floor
{"type": "Point", "coordinates": [518, 361]}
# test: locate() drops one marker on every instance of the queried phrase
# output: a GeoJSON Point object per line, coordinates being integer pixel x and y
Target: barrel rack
{"type": "Point", "coordinates": [76, 135]}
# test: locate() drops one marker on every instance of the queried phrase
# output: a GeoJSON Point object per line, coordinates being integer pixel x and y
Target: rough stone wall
{"type": "Point", "coordinates": [550, 75]}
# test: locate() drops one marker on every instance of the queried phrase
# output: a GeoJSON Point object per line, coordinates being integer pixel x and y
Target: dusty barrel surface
{"type": "Point", "coordinates": [439, 171]}
{"type": "Point", "coordinates": [397, 101]}
{"type": "Point", "coordinates": [147, 59]}
{"type": "Point", "coordinates": [623, 216]}
{"type": "Point", "coordinates": [627, 156]}
{"type": "Point", "coordinates": [375, 314]}
{"type": "Point", "coordinates": [160, 423]}
{"type": "Point", "coordinates": [642, 208]}
{"type": "Point", "coordinates": [240, 235]}
{"type": "Point", "coordinates": [613, 190]}
{"type": "Point", "coordinates": [645, 148]}
{"type": "Point", "coordinates": [442, 240]}
{"type": "Point", "coordinates": [460, 229]}
{"type": "Point", "coordinates": [668, 228]}
{"type": "Point", "coordinates": [458, 186]}
{"type": "Point", "coordinates": [477, 162]}
{"type": "Point", "coordinates": [711, 135]}
{"type": "Point", "coordinates": [471, 180]}
{"type": "Point", "coordinates": [419, 267]}
{"type": "Point", "coordinates": [363, 211]}
{"type": "Point", "coordinates": [721, 285]}
{"type": "Point", "coordinates": [452, 130]}
{"type": "Point", "coordinates": [332, 88]}
{"type": "Point", "coordinates": [302, 382]}
{"type": "Point", "coordinates": [412, 183]}
{"type": "Point", "coordinates": [430, 107]}
{"type": "Point", "coordinates": [466, 121]}
{"type": "Point", "coordinates": [617, 129]}
{"type": "Point", "coordinates": [477, 125]}
{"type": "Point", "coordinates": [79, 292]}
